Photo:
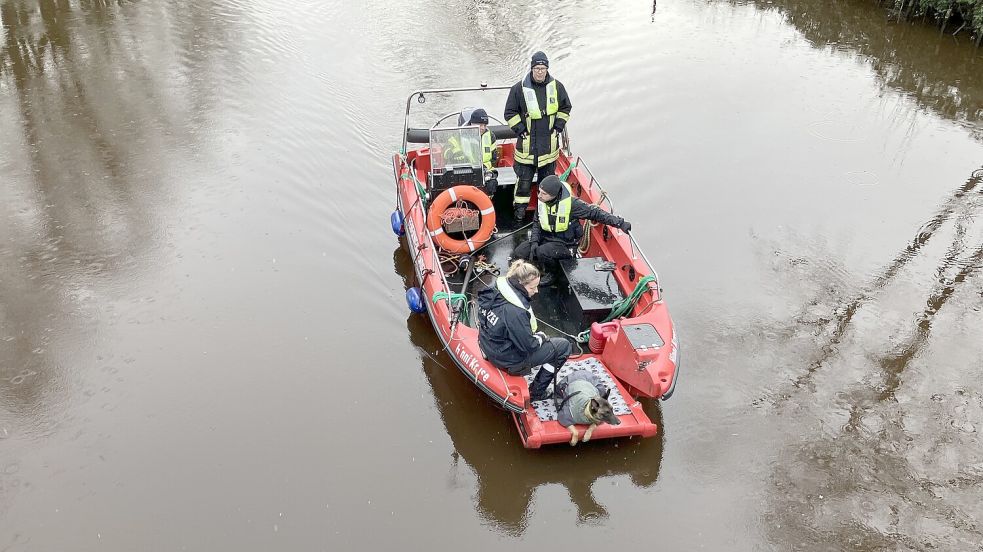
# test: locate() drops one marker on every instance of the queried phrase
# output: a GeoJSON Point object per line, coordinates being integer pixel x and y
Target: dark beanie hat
{"type": "Point", "coordinates": [539, 58]}
{"type": "Point", "coordinates": [479, 116]}
{"type": "Point", "coordinates": [550, 185]}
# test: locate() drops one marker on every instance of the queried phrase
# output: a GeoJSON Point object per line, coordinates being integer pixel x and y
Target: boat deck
{"type": "Point", "coordinates": [561, 307]}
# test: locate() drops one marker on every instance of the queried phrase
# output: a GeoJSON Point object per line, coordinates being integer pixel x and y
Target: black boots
{"type": "Point", "coordinates": [520, 214]}
{"type": "Point", "coordinates": [541, 383]}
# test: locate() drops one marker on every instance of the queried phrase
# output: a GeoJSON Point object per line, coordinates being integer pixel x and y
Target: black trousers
{"type": "Point", "coordinates": [548, 254]}
{"type": "Point", "coordinates": [553, 353]}
{"type": "Point", "coordinates": [524, 174]}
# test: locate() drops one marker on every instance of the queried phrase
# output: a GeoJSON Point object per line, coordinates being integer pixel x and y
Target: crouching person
{"type": "Point", "coordinates": [508, 333]}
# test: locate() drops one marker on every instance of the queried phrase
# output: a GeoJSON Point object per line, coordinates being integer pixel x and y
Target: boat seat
{"type": "Point", "coordinates": [596, 291]}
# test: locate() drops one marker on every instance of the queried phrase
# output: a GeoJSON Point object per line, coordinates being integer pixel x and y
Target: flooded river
{"type": "Point", "coordinates": [203, 338]}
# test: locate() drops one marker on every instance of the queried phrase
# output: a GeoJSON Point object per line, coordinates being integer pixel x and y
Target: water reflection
{"type": "Point", "coordinates": [485, 440]}
{"type": "Point", "coordinates": [83, 194]}
{"type": "Point", "coordinates": [894, 407]}
{"type": "Point", "coordinates": [960, 261]}
{"type": "Point", "coordinates": [939, 73]}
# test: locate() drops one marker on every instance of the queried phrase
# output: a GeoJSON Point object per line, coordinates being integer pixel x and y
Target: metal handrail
{"type": "Point", "coordinates": [420, 94]}
{"type": "Point", "coordinates": [454, 113]}
{"type": "Point", "coordinates": [430, 244]}
{"type": "Point", "coordinates": [422, 98]}
{"type": "Point", "coordinates": [634, 245]}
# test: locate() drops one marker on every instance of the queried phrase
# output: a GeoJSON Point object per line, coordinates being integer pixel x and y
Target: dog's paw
{"type": "Point", "coordinates": [574, 436]}
{"type": "Point", "coordinates": [588, 433]}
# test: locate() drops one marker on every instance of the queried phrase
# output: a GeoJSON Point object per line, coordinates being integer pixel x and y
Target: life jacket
{"type": "Point", "coordinates": [559, 211]}
{"type": "Point", "coordinates": [487, 146]}
{"type": "Point", "coordinates": [505, 288]}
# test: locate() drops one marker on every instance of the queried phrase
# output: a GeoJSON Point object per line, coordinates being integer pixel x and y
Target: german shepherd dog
{"type": "Point", "coordinates": [581, 398]}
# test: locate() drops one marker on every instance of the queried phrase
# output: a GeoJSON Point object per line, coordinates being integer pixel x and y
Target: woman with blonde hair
{"type": "Point", "coordinates": [509, 335]}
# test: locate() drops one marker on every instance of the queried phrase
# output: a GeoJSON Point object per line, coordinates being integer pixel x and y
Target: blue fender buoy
{"type": "Point", "coordinates": [397, 221]}
{"type": "Point", "coordinates": [414, 300]}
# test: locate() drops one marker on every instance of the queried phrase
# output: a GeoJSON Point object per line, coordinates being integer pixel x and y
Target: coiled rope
{"type": "Point", "coordinates": [585, 240]}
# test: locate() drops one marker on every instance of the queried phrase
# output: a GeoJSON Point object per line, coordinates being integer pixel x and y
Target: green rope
{"type": "Point", "coordinates": [623, 307]}
{"type": "Point", "coordinates": [452, 298]}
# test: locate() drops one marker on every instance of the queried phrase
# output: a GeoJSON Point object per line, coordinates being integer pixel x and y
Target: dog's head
{"type": "Point", "coordinates": [601, 409]}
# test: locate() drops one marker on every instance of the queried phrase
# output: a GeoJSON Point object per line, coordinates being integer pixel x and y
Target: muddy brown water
{"type": "Point", "coordinates": [203, 338]}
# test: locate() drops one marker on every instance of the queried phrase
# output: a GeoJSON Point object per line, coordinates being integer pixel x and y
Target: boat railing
{"type": "Point", "coordinates": [421, 97]}
{"type": "Point", "coordinates": [429, 243]}
{"type": "Point", "coordinates": [636, 251]}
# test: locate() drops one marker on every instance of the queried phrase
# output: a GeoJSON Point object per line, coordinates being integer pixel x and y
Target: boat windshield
{"type": "Point", "coordinates": [455, 147]}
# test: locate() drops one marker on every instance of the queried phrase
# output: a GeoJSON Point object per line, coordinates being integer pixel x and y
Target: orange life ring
{"type": "Point", "coordinates": [451, 196]}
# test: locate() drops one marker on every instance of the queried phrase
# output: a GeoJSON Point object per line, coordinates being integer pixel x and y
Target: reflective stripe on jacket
{"type": "Point", "coordinates": [487, 146]}
{"type": "Point", "coordinates": [505, 326]}
{"type": "Point", "coordinates": [558, 212]}
{"type": "Point", "coordinates": [508, 293]}
{"type": "Point", "coordinates": [526, 113]}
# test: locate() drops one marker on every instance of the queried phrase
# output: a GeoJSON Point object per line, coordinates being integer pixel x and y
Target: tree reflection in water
{"type": "Point", "coordinates": [100, 91]}
{"type": "Point", "coordinates": [895, 459]}
{"type": "Point", "coordinates": [946, 78]}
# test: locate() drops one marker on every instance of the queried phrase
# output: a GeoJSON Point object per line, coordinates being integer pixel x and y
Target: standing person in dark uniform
{"type": "Point", "coordinates": [537, 109]}
{"type": "Point", "coordinates": [508, 332]}
{"type": "Point", "coordinates": [556, 228]}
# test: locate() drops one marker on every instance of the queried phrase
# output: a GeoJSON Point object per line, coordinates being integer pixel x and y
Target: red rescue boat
{"type": "Point", "coordinates": [608, 302]}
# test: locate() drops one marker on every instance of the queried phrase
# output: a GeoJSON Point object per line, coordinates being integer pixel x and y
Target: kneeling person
{"type": "Point", "coordinates": [556, 227]}
{"type": "Point", "coordinates": [508, 332]}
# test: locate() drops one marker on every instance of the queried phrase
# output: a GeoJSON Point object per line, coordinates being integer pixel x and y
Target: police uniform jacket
{"type": "Point", "coordinates": [504, 332]}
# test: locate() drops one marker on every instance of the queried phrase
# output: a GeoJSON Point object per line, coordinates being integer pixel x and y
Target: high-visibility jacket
{"type": "Point", "coordinates": [537, 124]}
{"type": "Point", "coordinates": [556, 217]}
{"type": "Point", "coordinates": [487, 148]}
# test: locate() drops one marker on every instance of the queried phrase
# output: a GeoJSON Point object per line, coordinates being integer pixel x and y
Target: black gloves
{"type": "Point", "coordinates": [533, 252]}
{"type": "Point", "coordinates": [625, 226]}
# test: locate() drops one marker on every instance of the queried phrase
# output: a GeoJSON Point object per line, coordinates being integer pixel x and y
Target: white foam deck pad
{"type": "Point", "coordinates": [546, 409]}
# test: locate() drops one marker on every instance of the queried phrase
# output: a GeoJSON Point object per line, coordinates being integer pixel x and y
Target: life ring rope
{"type": "Point", "coordinates": [450, 197]}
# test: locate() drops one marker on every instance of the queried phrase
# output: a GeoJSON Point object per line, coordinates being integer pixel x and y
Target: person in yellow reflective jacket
{"type": "Point", "coordinates": [556, 227]}
{"type": "Point", "coordinates": [489, 155]}
{"type": "Point", "coordinates": [537, 109]}
{"type": "Point", "coordinates": [479, 117]}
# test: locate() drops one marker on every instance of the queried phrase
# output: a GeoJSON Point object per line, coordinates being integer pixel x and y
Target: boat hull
{"type": "Point", "coordinates": [648, 373]}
